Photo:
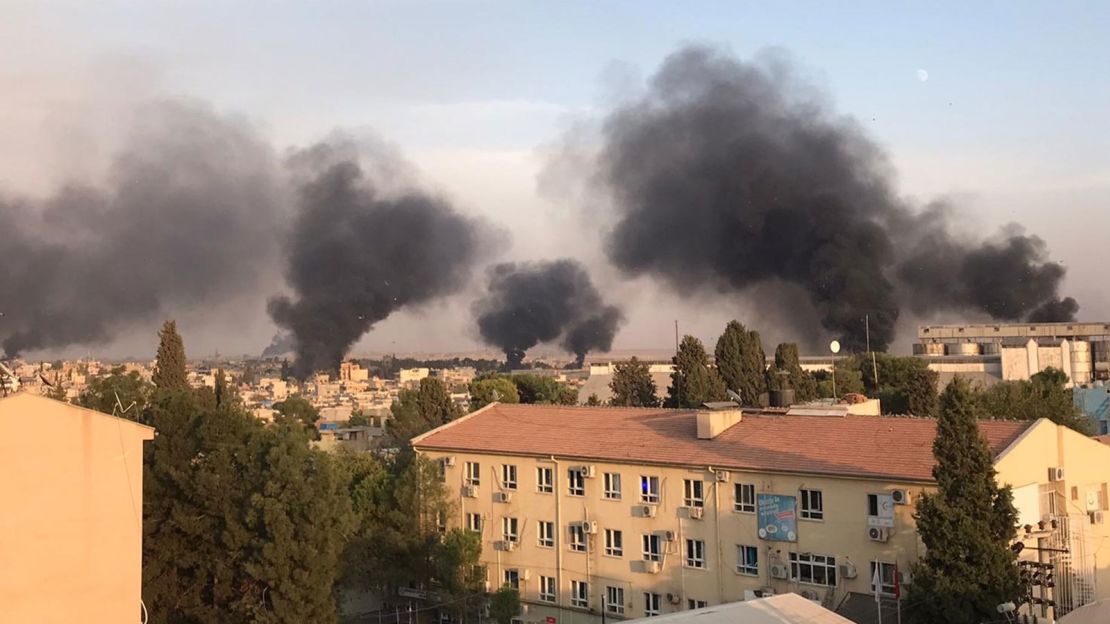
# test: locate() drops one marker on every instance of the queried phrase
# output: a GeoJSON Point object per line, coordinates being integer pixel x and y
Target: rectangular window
{"type": "Point", "coordinates": [443, 470]}
{"type": "Point", "coordinates": [696, 604]}
{"type": "Point", "coordinates": [508, 476]}
{"type": "Point", "coordinates": [473, 474]}
{"type": "Point", "coordinates": [508, 530]}
{"type": "Point", "coordinates": [545, 480]}
{"type": "Point", "coordinates": [579, 594]}
{"type": "Point", "coordinates": [547, 589]}
{"type": "Point", "coordinates": [546, 533]}
{"type": "Point", "coordinates": [577, 537]}
{"type": "Point", "coordinates": [649, 489]}
{"type": "Point", "coordinates": [614, 600]}
{"type": "Point", "coordinates": [652, 604]}
{"type": "Point", "coordinates": [813, 505]}
{"type": "Point", "coordinates": [576, 482]}
{"type": "Point", "coordinates": [695, 553]}
{"type": "Point", "coordinates": [441, 522]}
{"type": "Point", "coordinates": [512, 579]}
{"type": "Point", "coordinates": [474, 522]}
{"type": "Point", "coordinates": [747, 560]}
{"type": "Point", "coordinates": [694, 493]}
{"type": "Point", "coordinates": [614, 543]}
{"type": "Point", "coordinates": [873, 505]}
{"type": "Point", "coordinates": [813, 569]}
{"type": "Point", "coordinates": [653, 550]}
{"type": "Point", "coordinates": [745, 498]}
{"type": "Point", "coordinates": [886, 577]}
{"type": "Point", "coordinates": [612, 485]}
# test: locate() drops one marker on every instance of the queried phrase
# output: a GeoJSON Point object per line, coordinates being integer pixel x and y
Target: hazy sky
{"type": "Point", "coordinates": [1002, 106]}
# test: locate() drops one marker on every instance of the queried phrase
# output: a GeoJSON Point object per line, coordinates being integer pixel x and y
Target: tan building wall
{"type": "Point", "coordinates": [70, 513]}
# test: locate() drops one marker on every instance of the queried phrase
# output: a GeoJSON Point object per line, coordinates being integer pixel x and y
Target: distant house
{"type": "Point", "coordinates": [71, 501]}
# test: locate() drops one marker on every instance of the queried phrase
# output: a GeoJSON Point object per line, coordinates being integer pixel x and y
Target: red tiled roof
{"type": "Point", "coordinates": [861, 446]}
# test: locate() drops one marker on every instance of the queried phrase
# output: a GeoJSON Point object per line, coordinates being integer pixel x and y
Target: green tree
{"type": "Point", "coordinates": [504, 605]}
{"type": "Point", "coordinates": [101, 392]}
{"type": "Point", "coordinates": [486, 390]}
{"type": "Point", "coordinates": [250, 374]}
{"type": "Point", "coordinates": [1043, 396]}
{"type": "Point", "coordinates": [741, 362]}
{"type": "Point", "coordinates": [633, 386]}
{"type": "Point", "coordinates": [848, 378]}
{"type": "Point", "coordinates": [57, 389]}
{"type": "Point", "coordinates": [788, 373]}
{"type": "Point", "coordinates": [298, 410]}
{"type": "Point", "coordinates": [542, 389]}
{"type": "Point", "coordinates": [169, 367]}
{"type": "Point", "coordinates": [966, 526]}
{"type": "Point", "coordinates": [358, 419]}
{"type": "Point", "coordinates": [693, 382]}
{"type": "Point", "coordinates": [593, 400]}
{"type": "Point", "coordinates": [221, 387]}
{"type": "Point", "coordinates": [906, 385]}
{"type": "Point", "coordinates": [420, 410]}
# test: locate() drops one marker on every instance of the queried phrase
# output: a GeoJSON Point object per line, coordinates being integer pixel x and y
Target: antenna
{"type": "Point", "coordinates": [119, 404]}
{"type": "Point", "coordinates": [736, 398]}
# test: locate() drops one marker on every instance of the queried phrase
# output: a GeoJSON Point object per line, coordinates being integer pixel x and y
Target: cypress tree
{"type": "Point", "coordinates": [169, 368]}
{"type": "Point", "coordinates": [966, 526]}
{"type": "Point", "coordinates": [633, 386]}
{"type": "Point", "coordinates": [221, 387]}
{"type": "Point", "coordinates": [741, 362]}
{"type": "Point", "coordinates": [693, 382]}
{"type": "Point", "coordinates": [788, 365]}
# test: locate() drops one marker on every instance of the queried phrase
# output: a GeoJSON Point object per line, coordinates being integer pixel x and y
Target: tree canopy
{"type": "Point", "coordinates": [633, 386]}
{"type": "Point", "coordinates": [741, 362]}
{"type": "Point", "coordinates": [298, 410]}
{"type": "Point", "coordinates": [419, 410]}
{"type": "Point", "coordinates": [169, 367]}
{"type": "Point", "coordinates": [693, 382]}
{"type": "Point", "coordinates": [787, 373]}
{"type": "Point", "coordinates": [543, 389]}
{"type": "Point", "coordinates": [1043, 396]}
{"type": "Point", "coordinates": [100, 393]}
{"type": "Point", "coordinates": [487, 389]}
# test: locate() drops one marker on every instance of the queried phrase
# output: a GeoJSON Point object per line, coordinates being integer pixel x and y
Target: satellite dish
{"type": "Point", "coordinates": [834, 346]}
{"type": "Point", "coordinates": [735, 397]}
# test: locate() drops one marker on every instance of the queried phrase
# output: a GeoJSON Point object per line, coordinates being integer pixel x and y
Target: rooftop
{"type": "Point", "coordinates": [854, 446]}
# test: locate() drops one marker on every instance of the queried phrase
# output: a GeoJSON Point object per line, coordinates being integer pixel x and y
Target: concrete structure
{"type": "Point", "coordinates": [784, 609]}
{"type": "Point", "coordinates": [672, 509]}
{"type": "Point", "coordinates": [71, 500]}
{"type": "Point", "coordinates": [411, 376]}
{"type": "Point", "coordinates": [1095, 403]}
{"type": "Point", "coordinates": [600, 375]}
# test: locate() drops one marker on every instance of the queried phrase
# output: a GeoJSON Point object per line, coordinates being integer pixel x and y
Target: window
{"type": "Point", "coordinates": [813, 505]}
{"type": "Point", "coordinates": [577, 537]}
{"type": "Point", "coordinates": [576, 482]}
{"type": "Point", "coordinates": [545, 480]}
{"type": "Point", "coordinates": [508, 530]}
{"type": "Point", "coordinates": [441, 522]}
{"type": "Point", "coordinates": [614, 543]}
{"type": "Point", "coordinates": [547, 589]}
{"type": "Point", "coordinates": [474, 522]}
{"type": "Point", "coordinates": [443, 470]}
{"type": "Point", "coordinates": [652, 603]}
{"type": "Point", "coordinates": [508, 476]}
{"type": "Point", "coordinates": [745, 498]}
{"type": "Point", "coordinates": [614, 600]}
{"type": "Point", "coordinates": [653, 550]}
{"type": "Point", "coordinates": [694, 493]}
{"type": "Point", "coordinates": [813, 569]}
{"type": "Point", "coordinates": [546, 533]}
{"type": "Point", "coordinates": [695, 553]}
{"type": "Point", "coordinates": [579, 594]}
{"type": "Point", "coordinates": [473, 474]}
{"type": "Point", "coordinates": [886, 577]}
{"type": "Point", "coordinates": [512, 579]}
{"type": "Point", "coordinates": [696, 604]}
{"type": "Point", "coordinates": [873, 505]}
{"type": "Point", "coordinates": [649, 489]}
{"type": "Point", "coordinates": [612, 485]}
{"type": "Point", "coordinates": [747, 560]}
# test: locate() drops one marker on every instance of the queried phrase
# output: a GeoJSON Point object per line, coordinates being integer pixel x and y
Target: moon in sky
{"type": "Point", "coordinates": [922, 75]}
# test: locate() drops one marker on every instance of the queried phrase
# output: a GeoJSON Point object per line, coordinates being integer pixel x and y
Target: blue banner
{"type": "Point", "coordinates": [778, 517]}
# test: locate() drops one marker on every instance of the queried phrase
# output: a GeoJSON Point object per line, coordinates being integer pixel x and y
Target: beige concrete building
{"type": "Point", "coordinates": [642, 512]}
{"type": "Point", "coordinates": [71, 500]}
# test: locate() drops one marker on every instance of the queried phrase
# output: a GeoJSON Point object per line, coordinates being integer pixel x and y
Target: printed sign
{"type": "Point", "coordinates": [886, 512]}
{"type": "Point", "coordinates": [778, 517]}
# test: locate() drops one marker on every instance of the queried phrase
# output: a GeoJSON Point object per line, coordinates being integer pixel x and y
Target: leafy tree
{"type": "Point", "coordinates": [169, 367]}
{"type": "Point", "coordinates": [249, 375]}
{"type": "Point", "coordinates": [299, 410]}
{"type": "Point", "coordinates": [101, 392]}
{"type": "Point", "coordinates": [741, 362]}
{"type": "Point", "coordinates": [542, 389]}
{"type": "Point", "coordinates": [486, 390]}
{"type": "Point", "coordinates": [693, 382]}
{"type": "Point", "coordinates": [504, 605]}
{"type": "Point", "coordinates": [906, 385]}
{"type": "Point", "coordinates": [358, 419]}
{"type": "Point", "coordinates": [593, 400]}
{"type": "Point", "coordinates": [966, 525]}
{"type": "Point", "coordinates": [419, 410]}
{"type": "Point", "coordinates": [221, 387]}
{"type": "Point", "coordinates": [633, 386]}
{"type": "Point", "coordinates": [788, 373]}
{"type": "Point", "coordinates": [1043, 396]}
{"type": "Point", "coordinates": [848, 379]}
{"type": "Point", "coordinates": [57, 389]}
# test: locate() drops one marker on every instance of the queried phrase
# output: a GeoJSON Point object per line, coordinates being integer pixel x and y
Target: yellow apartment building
{"type": "Point", "coordinates": [639, 512]}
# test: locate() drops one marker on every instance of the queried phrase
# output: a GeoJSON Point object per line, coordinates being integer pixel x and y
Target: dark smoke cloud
{"type": "Point", "coordinates": [185, 221]}
{"type": "Point", "coordinates": [279, 345]}
{"type": "Point", "coordinates": [360, 251]}
{"type": "Point", "coordinates": [527, 304]}
{"type": "Point", "coordinates": [728, 174]}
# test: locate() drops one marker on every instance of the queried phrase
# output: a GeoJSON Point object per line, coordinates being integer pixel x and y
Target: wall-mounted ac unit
{"type": "Point", "coordinates": [780, 571]}
{"type": "Point", "coordinates": [1055, 473]}
{"type": "Point", "coordinates": [587, 471]}
{"type": "Point", "coordinates": [502, 497]}
{"type": "Point", "coordinates": [470, 491]}
{"type": "Point", "coordinates": [526, 575]}
{"type": "Point", "coordinates": [668, 536]}
{"type": "Point", "coordinates": [900, 497]}
{"type": "Point", "coordinates": [587, 526]}
{"type": "Point", "coordinates": [674, 598]}
{"type": "Point", "coordinates": [646, 511]}
{"type": "Point", "coordinates": [723, 476]}
{"type": "Point", "coordinates": [449, 461]}
{"type": "Point", "coordinates": [696, 513]}
{"type": "Point", "coordinates": [652, 567]}
{"type": "Point", "coordinates": [878, 534]}
{"type": "Point", "coordinates": [848, 571]}
{"type": "Point", "coordinates": [504, 545]}
{"type": "Point", "coordinates": [1098, 517]}
{"type": "Point", "coordinates": [809, 594]}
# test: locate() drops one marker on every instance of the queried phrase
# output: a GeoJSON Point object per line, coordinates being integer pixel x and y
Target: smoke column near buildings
{"type": "Point", "coordinates": [530, 303]}
{"type": "Point", "coordinates": [727, 174]}
{"type": "Point", "coordinates": [359, 251]}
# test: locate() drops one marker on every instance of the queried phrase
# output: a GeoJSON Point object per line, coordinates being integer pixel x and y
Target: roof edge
{"type": "Point", "coordinates": [38, 397]}
{"type": "Point", "coordinates": [420, 438]}
{"type": "Point", "coordinates": [1021, 437]}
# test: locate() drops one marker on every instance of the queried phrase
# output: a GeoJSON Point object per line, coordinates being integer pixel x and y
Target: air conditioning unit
{"type": "Point", "coordinates": [1098, 517]}
{"type": "Point", "coordinates": [587, 471]}
{"type": "Point", "coordinates": [696, 513]}
{"type": "Point", "coordinates": [449, 461]}
{"type": "Point", "coordinates": [809, 594]}
{"type": "Point", "coordinates": [900, 497]}
{"type": "Point", "coordinates": [526, 575]}
{"type": "Point", "coordinates": [470, 491]}
{"type": "Point", "coordinates": [674, 598]}
{"type": "Point", "coordinates": [723, 476]}
{"type": "Point", "coordinates": [848, 571]}
{"type": "Point", "coordinates": [504, 545]}
{"type": "Point", "coordinates": [780, 571]}
{"type": "Point", "coordinates": [653, 567]}
{"type": "Point", "coordinates": [646, 511]}
{"type": "Point", "coordinates": [668, 536]}
{"type": "Point", "coordinates": [502, 497]}
{"type": "Point", "coordinates": [878, 534]}
{"type": "Point", "coordinates": [586, 526]}
{"type": "Point", "coordinates": [1055, 473]}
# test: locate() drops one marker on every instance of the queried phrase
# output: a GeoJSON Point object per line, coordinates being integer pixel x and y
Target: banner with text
{"type": "Point", "coordinates": [778, 517]}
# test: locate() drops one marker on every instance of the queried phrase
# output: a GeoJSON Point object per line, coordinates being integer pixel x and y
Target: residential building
{"type": "Point", "coordinates": [669, 509]}
{"type": "Point", "coordinates": [71, 491]}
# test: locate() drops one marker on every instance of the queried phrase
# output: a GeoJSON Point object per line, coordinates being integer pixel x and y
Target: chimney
{"type": "Point", "coordinates": [716, 417]}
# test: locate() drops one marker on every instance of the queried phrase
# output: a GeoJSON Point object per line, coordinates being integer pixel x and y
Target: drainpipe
{"type": "Point", "coordinates": [559, 592]}
{"type": "Point", "coordinates": [717, 532]}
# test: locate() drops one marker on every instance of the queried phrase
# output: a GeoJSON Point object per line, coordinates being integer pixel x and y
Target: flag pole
{"type": "Point", "coordinates": [877, 584]}
{"type": "Point", "coordinates": [898, 588]}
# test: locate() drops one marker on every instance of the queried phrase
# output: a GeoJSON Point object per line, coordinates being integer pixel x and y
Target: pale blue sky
{"type": "Point", "coordinates": [1013, 118]}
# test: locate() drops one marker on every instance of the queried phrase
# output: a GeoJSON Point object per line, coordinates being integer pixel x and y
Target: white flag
{"type": "Point", "coordinates": [877, 582]}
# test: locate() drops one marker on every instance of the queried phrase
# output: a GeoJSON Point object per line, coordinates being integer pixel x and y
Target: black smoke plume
{"type": "Point", "coordinates": [359, 252]}
{"type": "Point", "coordinates": [530, 303]}
{"type": "Point", "coordinates": [727, 174]}
{"type": "Point", "coordinates": [185, 221]}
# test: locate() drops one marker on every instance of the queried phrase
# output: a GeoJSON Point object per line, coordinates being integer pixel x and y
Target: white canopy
{"type": "Point", "coordinates": [781, 609]}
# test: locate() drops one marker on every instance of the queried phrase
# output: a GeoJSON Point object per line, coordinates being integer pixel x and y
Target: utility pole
{"type": "Point", "coordinates": [874, 366]}
{"type": "Point", "coordinates": [676, 336]}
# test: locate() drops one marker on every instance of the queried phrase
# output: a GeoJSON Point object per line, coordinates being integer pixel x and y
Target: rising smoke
{"type": "Point", "coordinates": [185, 221]}
{"type": "Point", "coordinates": [727, 174]}
{"type": "Point", "coordinates": [527, 304]}
{"type": "Point", "coordinates": [360, 250]}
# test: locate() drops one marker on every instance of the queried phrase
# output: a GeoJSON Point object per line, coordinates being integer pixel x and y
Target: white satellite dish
{"type": "Point", "coordinates": [834, 346]}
